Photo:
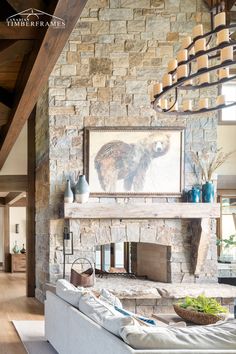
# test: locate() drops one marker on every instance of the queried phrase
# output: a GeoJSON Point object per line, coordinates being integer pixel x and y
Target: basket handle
{"type": "Point", "coordinates": [86, 259]}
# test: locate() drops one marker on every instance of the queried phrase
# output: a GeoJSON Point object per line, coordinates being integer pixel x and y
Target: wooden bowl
{"type": "Point", "coordinates": [197, 317]}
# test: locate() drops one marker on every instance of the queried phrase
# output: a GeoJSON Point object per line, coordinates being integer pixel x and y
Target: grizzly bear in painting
{"type": "Point", "coordinates": [117, 160]}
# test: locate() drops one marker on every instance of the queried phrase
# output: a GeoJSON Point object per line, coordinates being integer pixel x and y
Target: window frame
{"type": "Point", "coordinates": [226, 122]}
{"type": "Point", "coordinates": [221, 195]}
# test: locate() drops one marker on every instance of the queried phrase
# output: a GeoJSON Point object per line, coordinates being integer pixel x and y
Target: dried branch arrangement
{"type": "Point", "coordinates": [209, 161]}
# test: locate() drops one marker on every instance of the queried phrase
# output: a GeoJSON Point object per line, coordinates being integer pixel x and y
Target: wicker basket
{"type": "Point", "coordinates": [197, 317]}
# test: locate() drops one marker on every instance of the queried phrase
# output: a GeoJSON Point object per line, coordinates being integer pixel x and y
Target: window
{"type": "Point", "coordinates": [228, 115]}
{"type": "Point", "coordinates": [227, 227]}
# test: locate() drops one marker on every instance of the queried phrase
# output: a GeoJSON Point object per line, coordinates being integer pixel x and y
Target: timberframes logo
{"type": "Point", "coordinates": [35, 18]}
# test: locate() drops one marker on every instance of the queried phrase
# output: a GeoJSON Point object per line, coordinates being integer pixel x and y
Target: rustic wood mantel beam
{"type": "Point", "coordinates": [141, 211]}
{"type": "Point", "coordinates": [36, 74]}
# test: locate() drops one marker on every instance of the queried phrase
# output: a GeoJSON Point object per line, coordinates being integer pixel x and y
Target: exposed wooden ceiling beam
{"type": "Point", "coordinates": [14, 32]}
{"type": "Point", "coordinates": [230, 4]}
{"type": "Point", "coordinates": [36, 75]}
{"type": "Point", "coordinates": [20, 203]}
{"type": "Point", "coordinates": [16, 183]}
{"type": "Point", "coordinates": [6, 97]}
{"type": "Point", "coordinates": [16, 49]}
{"type": "Point", "coordinates": [2, 201]}
{"type": "Point", "coordinates": [13, 197]}
{"type": "Point", "coordinates": [4, 114]}
{"type": "Point", "coordinates": [20, 5]}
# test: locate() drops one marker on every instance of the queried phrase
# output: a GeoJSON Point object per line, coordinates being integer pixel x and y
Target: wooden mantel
{"type": "Point", "coordinates": [141, 211]}
{"type": "Point", "coordinates": [200, 215]}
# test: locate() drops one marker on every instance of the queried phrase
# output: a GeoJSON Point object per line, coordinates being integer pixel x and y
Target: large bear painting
{"type": "Point", "coordinates": [134, 161]}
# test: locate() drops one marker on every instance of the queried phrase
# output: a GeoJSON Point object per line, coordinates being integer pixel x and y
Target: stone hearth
{"type": "Point", "coordinates": [148, 297]}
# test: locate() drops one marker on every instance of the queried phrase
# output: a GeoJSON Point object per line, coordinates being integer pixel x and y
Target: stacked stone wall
{"type": "Point", "coordinates": [104, 77]}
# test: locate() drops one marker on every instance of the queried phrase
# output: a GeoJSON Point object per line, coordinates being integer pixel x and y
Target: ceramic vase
{"type": "Point", "coordinates": [208, 192]}
{"type": "Point", "coordinates": [194, 195]}
{"type": "Point", "coordinates": [68, 194]}
{"type": "Point", "coordinates": [23, 250]}
{"type": "Point", "coordinates": [82, 190]}
{"type": "Point", "coordinates": [16, 248]}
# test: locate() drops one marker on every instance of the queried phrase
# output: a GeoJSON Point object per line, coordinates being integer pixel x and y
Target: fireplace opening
{"type": "Point", "coordinates": [146, 260]}
{"type": "Point", "coordinates": [114, 258]}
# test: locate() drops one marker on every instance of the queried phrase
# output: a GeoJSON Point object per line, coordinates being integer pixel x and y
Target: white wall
{"type": "Point", "coordinates": [1, 234]}
{"type": "Point", "coordinates": [227, 140]}
{"type": "Point", "coordinates": [16, 163]}
{"type": "Point", "coordinates": [17, 216]}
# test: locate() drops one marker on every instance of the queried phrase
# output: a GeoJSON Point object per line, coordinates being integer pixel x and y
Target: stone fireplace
{"type": "Point", "coordinates": [174, 243]}
{"type": "Point", "coordinates": [104, 77]}
{"type": "Point", "coordinates": [175, 246]}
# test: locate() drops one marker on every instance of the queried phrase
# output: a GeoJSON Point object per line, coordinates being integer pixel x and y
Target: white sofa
{"type": "Point", "coordinates": [71, 332]}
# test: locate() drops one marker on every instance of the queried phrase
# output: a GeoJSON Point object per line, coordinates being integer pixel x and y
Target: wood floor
{"type": "Point", "coordinates": [14, 305]}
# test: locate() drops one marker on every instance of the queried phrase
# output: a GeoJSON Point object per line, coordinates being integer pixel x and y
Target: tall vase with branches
{"type": "Point", "coordinates": [208, 161]}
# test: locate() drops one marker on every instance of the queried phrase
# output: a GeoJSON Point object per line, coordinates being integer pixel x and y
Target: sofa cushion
{"type": "Point", "coordinates": [220, 336]}
{"type": "Point", "coordinates": [69, 292]}
{"type": "Point", "coordinates": [103, 313]}
{"type": "Point", "coordinates": [111, 299]}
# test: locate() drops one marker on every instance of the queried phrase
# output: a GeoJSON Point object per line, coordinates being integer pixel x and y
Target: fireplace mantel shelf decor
{"type": "Point", "coordinates": [141, 211]}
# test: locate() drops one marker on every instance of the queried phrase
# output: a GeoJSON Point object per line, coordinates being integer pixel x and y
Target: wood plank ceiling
{"type": "Point", "coordinates": [27, 57]}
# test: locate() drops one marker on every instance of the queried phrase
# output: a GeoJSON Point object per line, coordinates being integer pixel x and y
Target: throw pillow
{"type": "Point", "coordinates": [69, 292]}
{"type": "Point", "coordinates": [103, 313]}
{"type": "Point", "coordinates": [111, 299]}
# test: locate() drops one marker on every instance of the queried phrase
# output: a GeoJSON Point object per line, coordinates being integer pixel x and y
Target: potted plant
{"type": "Point", "coordinates": [208, 161]}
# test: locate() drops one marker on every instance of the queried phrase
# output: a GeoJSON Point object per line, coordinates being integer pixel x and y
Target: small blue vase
{"type": "Point", "coordinates": [208, 192]}
{"type": "Point", "coordinates": [194, 195]}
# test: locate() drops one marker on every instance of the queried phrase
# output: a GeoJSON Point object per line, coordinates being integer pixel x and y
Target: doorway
{"type": "Point", "coordinates": [19, 191]}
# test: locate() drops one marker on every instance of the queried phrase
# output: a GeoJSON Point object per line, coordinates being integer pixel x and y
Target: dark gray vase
{"type": "Point", "coordinates": [82, 190]}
